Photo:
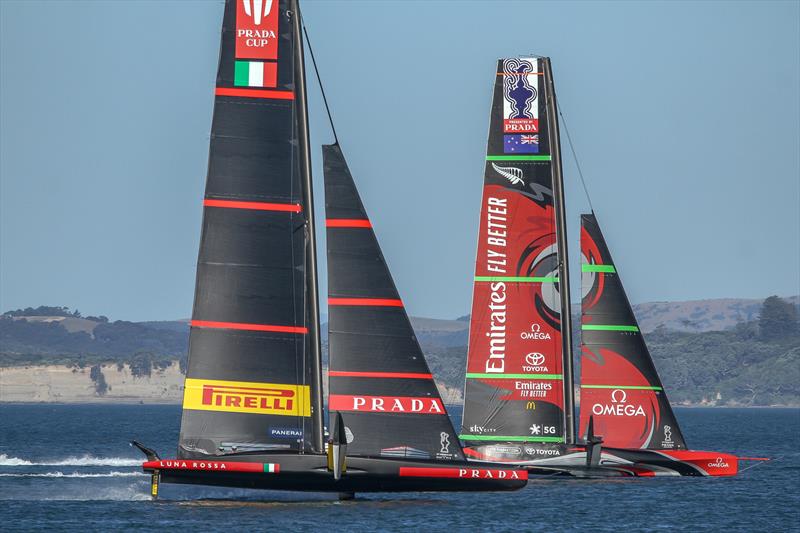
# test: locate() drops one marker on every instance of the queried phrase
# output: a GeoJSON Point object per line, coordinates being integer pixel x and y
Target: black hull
{"type": "Point", "coordinates": [310, 473]}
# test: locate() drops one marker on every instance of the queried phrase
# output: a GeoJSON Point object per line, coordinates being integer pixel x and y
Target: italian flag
{"type": "Point", "coordinates": [255, 74]}
{"type": "Point", "coordinates": [272, 468]}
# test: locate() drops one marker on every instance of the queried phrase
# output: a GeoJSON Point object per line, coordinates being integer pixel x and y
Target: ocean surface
{"type": "Point", "coordinates": [69, 467]}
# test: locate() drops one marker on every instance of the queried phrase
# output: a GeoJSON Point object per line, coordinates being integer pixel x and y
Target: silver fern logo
{"type": "Point", "coordinates": [512, 174]}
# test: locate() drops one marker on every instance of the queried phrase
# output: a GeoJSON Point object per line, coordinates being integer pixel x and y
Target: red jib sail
{"type": "Point", "coordinates": [620, 387]}
{"type": "Point", "coordinates": [514, 383]}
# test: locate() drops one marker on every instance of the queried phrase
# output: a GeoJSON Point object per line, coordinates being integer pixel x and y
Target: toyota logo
{"type": "Point", "coordinates": [534, 359]}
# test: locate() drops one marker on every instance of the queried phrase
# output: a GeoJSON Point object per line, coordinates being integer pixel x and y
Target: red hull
{"type": "Point", "coordinates": [620, 462]}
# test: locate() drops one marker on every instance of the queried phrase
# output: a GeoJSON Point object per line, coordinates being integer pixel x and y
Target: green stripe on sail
{"type": "Point", "coordinates": [602, 327]}
{"type": "Point", "coordinates": [519, 279]}
{"type": "Point", "coordinates": [518, 158]}
{"type": "Point", "coordinates": [471, 375]}
{"type": "Point", "coordinates": [628, 387]}
{"type": "Point", "coordinates": [598, 268]}
{"type": "Point", "coordinates": [241, 74]}
{"type": "Point", "coordinates": [511, 438]}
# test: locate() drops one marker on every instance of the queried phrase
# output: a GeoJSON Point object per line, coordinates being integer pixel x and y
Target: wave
{"type": "Point", "coordinates": [74, 474]}
{"type": "Point", "coordinates": [86, 460]}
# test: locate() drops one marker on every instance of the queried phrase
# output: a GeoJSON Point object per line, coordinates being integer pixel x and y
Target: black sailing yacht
{"type": "Point", "coordinates": [519, 394]}
{"type": "Point", "coordinates": [253, 398]}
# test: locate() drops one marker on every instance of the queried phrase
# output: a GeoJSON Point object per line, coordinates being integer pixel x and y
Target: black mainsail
{"type": "Point", "coordinates": [379, 379]}
{"type": "Point", "coordinates": [251, 382]}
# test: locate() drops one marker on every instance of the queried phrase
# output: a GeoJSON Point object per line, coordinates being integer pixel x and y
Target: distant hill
{"type": "Point", "coordinates": [699, 315]}
{"type": "Point", "coordinates": [707, 351]}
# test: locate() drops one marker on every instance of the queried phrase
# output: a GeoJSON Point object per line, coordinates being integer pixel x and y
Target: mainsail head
{"type": "Point", "coordinates": [249, 382]}
{"type": "Point", "coordinates": [379, 379]}
{"type": "Point", "coordinates": [620, 388]}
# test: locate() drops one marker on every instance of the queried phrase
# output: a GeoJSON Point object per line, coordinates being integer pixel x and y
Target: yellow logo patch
{"type": "Point", "coordinates": [246, 397]}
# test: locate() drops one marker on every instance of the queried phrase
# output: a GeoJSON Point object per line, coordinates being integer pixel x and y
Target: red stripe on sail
{"type": "Point", "coordinates": [377, 302]}
{"type": "Point", "coordinates": [399, 375]}
{"type": "Point", "coordinates": [255, 93]}
{"type": "Point", "coordinates": [247, 327]}
{"type": "Point", "coordinates": [258, 206]}
{"type": "Point", "coordinates": [347, 223]}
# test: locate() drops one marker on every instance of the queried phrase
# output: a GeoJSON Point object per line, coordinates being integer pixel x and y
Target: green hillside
{"type": "Point", "coordinates": [756, 362]}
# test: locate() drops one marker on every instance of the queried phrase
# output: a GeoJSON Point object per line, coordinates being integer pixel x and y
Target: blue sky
{"type": "Point", "coordinates": [685, 116]}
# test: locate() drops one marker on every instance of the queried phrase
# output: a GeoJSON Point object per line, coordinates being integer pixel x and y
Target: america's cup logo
{"type": "Point", "coordinates": [257, 9]}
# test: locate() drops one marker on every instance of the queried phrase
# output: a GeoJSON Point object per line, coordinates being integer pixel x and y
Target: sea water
{"type": "Point", "coordinates": [69, 467]}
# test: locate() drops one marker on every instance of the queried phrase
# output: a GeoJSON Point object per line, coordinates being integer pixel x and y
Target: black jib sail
{"type": "Point", "coordinates": [620, 388]}
{"type": "Point", "coordinates": [379, 379]}
{"type": "Point", "coordinates": [516, 367]}
{"type": "Point", "coordinates": [252, 382]}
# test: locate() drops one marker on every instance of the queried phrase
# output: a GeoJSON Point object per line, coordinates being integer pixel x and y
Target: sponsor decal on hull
{"type": "Point", "coordinates": [179, 464]}
{"type": "Point", "coordinates": [710, 463]}
{"type": "Point", "coordinates": [246, 397]}
{"type": "Point", "coordinates": [386, 404]}
{"type": "Point", "coordinates": [257, 29]}
{"type": "Point", "coordinates": [464, 473]}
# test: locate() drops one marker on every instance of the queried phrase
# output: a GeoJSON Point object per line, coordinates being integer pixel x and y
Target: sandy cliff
{"type": "Point", "coordinates": [64, 384]}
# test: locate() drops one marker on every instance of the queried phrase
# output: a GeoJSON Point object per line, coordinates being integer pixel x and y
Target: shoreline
{"type": "Point", "coordinates": [60, 384]}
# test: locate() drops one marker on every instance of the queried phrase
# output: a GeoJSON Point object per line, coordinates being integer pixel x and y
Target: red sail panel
{"type": "Point", "coordinates": [514, 384]}
{"type": "Point", "coordinates": [620, 388]}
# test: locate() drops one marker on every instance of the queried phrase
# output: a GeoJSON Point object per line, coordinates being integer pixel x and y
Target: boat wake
{"type": "Point", "coordinates": [86, 460]}
{"type": "Point", "coordinates": [74, 474]}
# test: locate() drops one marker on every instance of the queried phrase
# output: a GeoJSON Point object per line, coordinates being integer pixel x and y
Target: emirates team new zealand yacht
{"type": "Point", "coordinates": [252, 406]}
{"type": "Point", "coordinates": [519, 399]}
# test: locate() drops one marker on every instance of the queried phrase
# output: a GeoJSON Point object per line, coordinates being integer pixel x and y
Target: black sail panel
{"type": "Point", "coordinates": [379, 379]}
{"type": "Point", "coordinates": [620, 388]}
{"type": "Point", "coordinates": [249, 376]}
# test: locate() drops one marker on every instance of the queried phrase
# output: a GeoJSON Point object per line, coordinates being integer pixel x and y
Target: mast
{"type": "Point", "coordinates": [304, 146]}
{"type": "Point", "coordinates": [563, 253]}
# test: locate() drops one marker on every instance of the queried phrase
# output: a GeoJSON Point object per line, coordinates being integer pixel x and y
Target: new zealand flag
{"type": "Point", "coordinates": [521, 144]}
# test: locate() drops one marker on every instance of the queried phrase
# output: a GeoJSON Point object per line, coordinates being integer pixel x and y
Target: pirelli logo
{"type": "Point", "coordinates": [246, 397]}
